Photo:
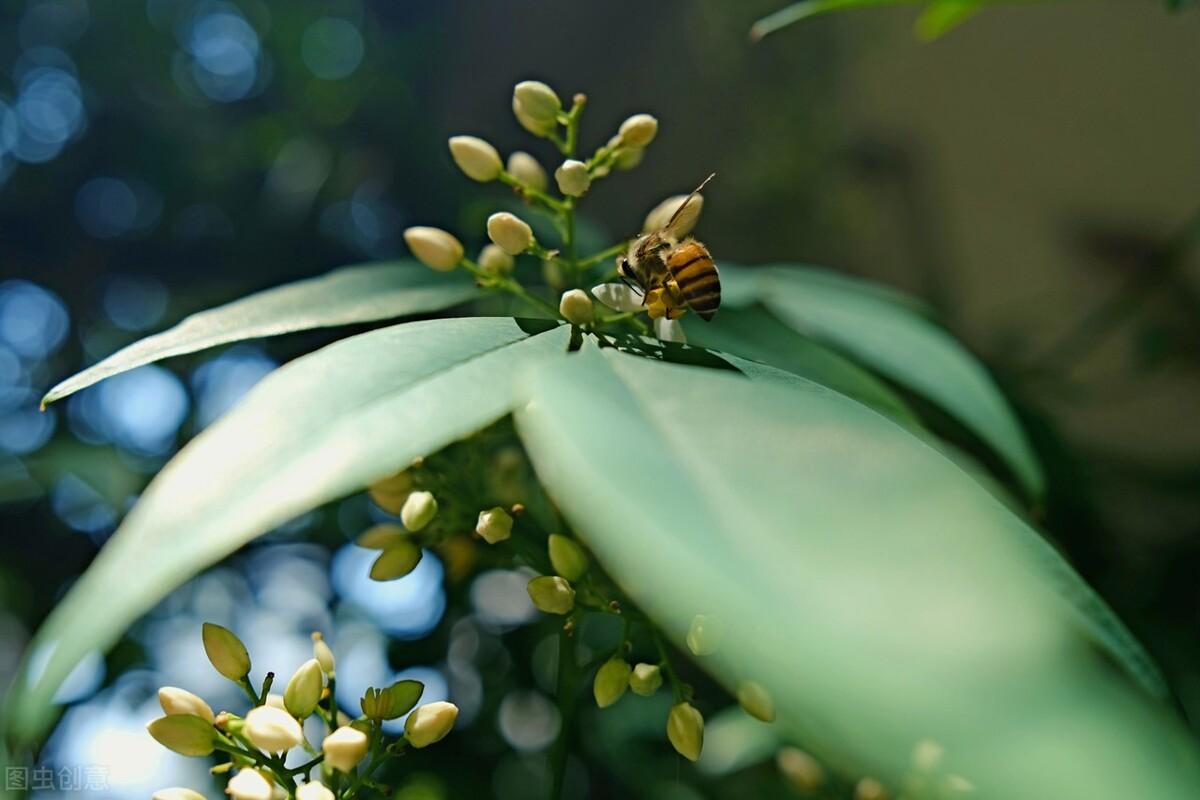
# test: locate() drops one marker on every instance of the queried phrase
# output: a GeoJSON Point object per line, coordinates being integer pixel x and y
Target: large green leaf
{"type": "Point", "coordinates": [318, 428]}
{"type": "Point", "coordinates": [353, 294]}
{"type": "Point", "coordinates": [892, 337]}
{"type": "Point", "coordinates": [878, 592]}
{"type": "Point", "coordinates": [755, 334]}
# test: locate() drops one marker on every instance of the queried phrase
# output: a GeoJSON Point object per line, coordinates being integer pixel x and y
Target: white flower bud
{"type": "Point", "coordinates": [527, 170]}
{"type": "Point", "coordinates": [576, 307]}
{"type": "Point", "coordinates": [303, 691]}
{"type": "Point", "coordinates": [186, 734]}
{"type": "Point", "coordinates": [870, 789]}
{"type": "Point", "coordinates": [314, 790]}
{"type": "Point", "coordinates": [639, 130]}
{"type": "Point", "coordinates": [476, 158]}
{"type": "Point", "coordinates": [429, 723]}
{"type": "Point", "coordinates": [176, 793]}
{"type": "Point", "coordinates": [344, 748]}
{"type": "Point", "coordinates": [323, 654]}
{"type": "Point", "coordinates": [494, 525]}
{"type": "Point", "coordinates": [573, 178]}
{"type": "Point", "coordinates": [509, 232]}
{"type": "Point", "coordinates": [756, 701]}
{"type": "Point", "coordinates": [396, 562]}
{"type": "Point", "coordinates": [705, 634]}
{"type": "Point", "coordinates": [249, 784]}
{"type": "Point", "coordinates": [536, 107]}
{"type": "Point", "coordinates": [180, 701]}
{"type": "Point", "coordinates": [225, 651]}
{"type": "Point", "coordinates": [661, 214]}
{"type": "Point", "coordinates": [685, 729]}
{"type": "Point", "coordinates": [275, 700]}
{"type": "Point", "coordinates": [495, 261]}
{"type": "Point", "coordinates": [956, 785]}
{"type": "Point", "coordinates": [802, 772]}
{"type": "Point", "coordinates": [551, 594]}
{"type": "Point", "coordinates": [567, 557]}
{"type": "Point", "coordinates": [419, 510]}
{"type": "Point", "coordinates": [434, 248]}
{"type": "Point", "coordinates": [628, 158]}
{"type": "Point", "coordinates": [272, 730]}
{"type": "Point", "coordinates": [645, 679]}
{"type": "Point", "coordinates": [612, 679]}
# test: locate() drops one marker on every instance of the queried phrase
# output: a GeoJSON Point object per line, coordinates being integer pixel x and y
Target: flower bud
{"type": "Point", "coordinates": [612, 679]}
{"type": "Point", "coordinates": [567, 558]}
{"type": "Point", "coordinates": [639, 130]}
{"type": "Point", "coordinates": [272, 730]}
{"type": "Point", "coordinates": [186, 734]}
{"type": "Point", "coordinates": [645, 679]}
{"type": "Point", "coordinates": [323, 654]}
{"type": "Point", "coordinates": [434, 248]}
{"type": "Point", "coordinates": [180, 701]}
{"type": "Point", "coordinates": [419, 510]}
{"type": "Point", "coordinates": [927, 754]}
{"type": "Point", "coordinates": [956, 785]}
{"type": "Point", "coordinates": [628, 158]}
{"type": "Point", "coordinates": [430, 723]}
{"type": "Point", "coordinates": [275, 700]}
{"type": "Point", "coordinates": [476, 158]}
{"type": "Point", "coordinates": [391, 492]}
{"type": "Point", "coordinates": [551, 594]}
{"type": "Point", "coordinates": [576, 307]}
{"type": "Point", "coordinates": [685, 729]}
{"type": "Point", "coordinates": [249, 784]}
{"type": "Point", "coordinates": [705, 634]}
{"type": "Point", "coordinates": [176, 793]}
{"type": "Point", "coordinates": [495, 261]}
{"type": "Point", "coordinates": [755, 700]}
{"type": "Point", "coordinates": [527, 170]}
{"type": "Point", "coordinates": [225, 651]}
{"type": "Point", "coordinates": [801, 771]}
{"type": "Point", "coordinates": [536, 107]}
{"type": "Point", "coordinates": [344, 748]}
{"type": "Point", "coordinates": [396, 562]}
{"type": "Point", "coordinates": [494, 525]}
{"type": "Point", "coordinates": [573, 178]}
{"type": "Point", "coordinates": [303, 691]}
{"type": "Point", "coordinates": [509, 232]}
{"type": "Point", "coordinates": [314, 790]}
{"type": "Point", "coordinates": [382, 536]}
{"type": "Point", "coordinates": [661, 214]}
{"type": "Point", "coordinates": [870, 789]}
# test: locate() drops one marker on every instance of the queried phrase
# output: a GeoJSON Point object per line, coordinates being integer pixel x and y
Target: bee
{"type": "Point", "coordinates": [674, 273]}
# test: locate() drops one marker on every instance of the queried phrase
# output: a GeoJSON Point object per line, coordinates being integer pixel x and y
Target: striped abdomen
{"type": "Point", "coordinates": [694, 271]}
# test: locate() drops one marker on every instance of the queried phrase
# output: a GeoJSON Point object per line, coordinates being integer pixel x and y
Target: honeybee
{"type": "Point", "coordinates": [674, 273]}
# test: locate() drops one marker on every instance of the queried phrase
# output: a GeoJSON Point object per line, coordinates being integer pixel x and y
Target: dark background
{"type": "Point", "coordinates": [1035, 176]}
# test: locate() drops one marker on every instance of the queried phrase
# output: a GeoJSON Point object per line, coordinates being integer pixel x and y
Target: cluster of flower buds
{"type": "Point", "coordinates": [554, 594]}
{"type": "Point", "coordinates": [400, 552]}
{"type": "Point", "coordinates": [258, 743]}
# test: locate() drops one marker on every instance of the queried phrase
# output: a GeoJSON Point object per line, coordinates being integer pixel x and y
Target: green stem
{"type": "Point", "coordinates": [244, 683]}
{"type": "Point", "coordinates": [511, 286]}
{"type": "Point", "coordinates": [604, 255]}
{"type": "Point", "coordinates": [553, 204]}
{"type": "Point", "coordinates": [677, 685]}
{"type": "Point", "coordinates": [567, 685]}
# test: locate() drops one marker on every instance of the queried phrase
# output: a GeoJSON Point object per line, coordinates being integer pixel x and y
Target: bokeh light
{"type": "Point", "coordinates": [219, 383]}
{"type": "Point", "coordinates": [332, 48]}
{"type": "Point", "coordinates": [407, 608]}
{"type": "Point", "coordinates": [33, 321]}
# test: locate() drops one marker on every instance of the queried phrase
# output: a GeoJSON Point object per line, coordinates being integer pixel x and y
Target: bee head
{"type": "Point", "coordinates": [626, 272]}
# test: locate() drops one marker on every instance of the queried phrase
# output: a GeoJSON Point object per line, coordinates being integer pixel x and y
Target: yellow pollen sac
{"type": "Point", "coordinates": [656, 306]}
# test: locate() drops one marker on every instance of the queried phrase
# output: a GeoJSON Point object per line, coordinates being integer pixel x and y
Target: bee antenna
{"type": "Point", "coordinates": [687, 200]}
{"type": "Point", "coordinates": [625, 281]}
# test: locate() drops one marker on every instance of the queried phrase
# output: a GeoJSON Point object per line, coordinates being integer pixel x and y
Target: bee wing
{"type": "Point", "coordinates": [685, 216]}
{"type": "Point", "coordinates": [618, 296]}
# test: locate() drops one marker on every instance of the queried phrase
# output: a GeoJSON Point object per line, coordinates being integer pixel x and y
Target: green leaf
{"type": "Point", "coordinates": [879, 594]}
{"type": "Point", "coordinates": [806, 9]}
{"type": "Point", "coordinates": [757, 335]}
{"type": "Point", "coordinates": [319, 428]}
{"type": "Point", "coordinates": [353, 294]}
{"type": "Point", "coordinates": [942, 16]}
{"type": "Point", "coordinates": [854, 317]}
